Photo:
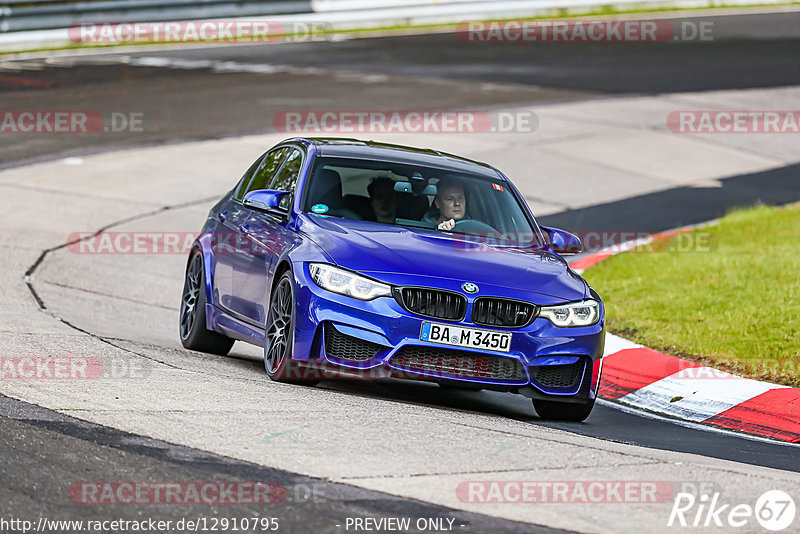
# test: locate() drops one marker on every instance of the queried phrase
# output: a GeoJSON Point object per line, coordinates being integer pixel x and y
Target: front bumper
{"type": "Point", "coordinates": [381, 339]}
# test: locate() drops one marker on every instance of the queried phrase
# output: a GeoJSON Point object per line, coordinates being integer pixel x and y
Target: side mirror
{"type": "Point", "coordinates": [267, 200]}
{"type": "Point", "coordinates": [562, 242]}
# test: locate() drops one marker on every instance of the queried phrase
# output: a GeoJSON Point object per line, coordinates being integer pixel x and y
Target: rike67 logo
{"type": "Point", "coordinates": [774, 510]}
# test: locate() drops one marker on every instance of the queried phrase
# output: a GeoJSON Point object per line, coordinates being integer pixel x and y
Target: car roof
{"type": "Point", "coordinates": [376, 151]}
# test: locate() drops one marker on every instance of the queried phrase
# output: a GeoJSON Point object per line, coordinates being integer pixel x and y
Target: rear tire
{"type": "Point", "coordinates": [563, 411]}
{"type": "Point", "coordinates": [192, 325]}
{"type": "Point", "coordinates": [279, 337]}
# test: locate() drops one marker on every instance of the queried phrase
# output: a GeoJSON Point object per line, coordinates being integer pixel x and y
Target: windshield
{"type": "Point", "coordinates": [418, 197]}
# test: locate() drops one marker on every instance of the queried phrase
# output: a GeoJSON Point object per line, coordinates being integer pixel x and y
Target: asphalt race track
{"type": "Point", "coordinates": [209, 94]}
{"type": "Point", "coordinates": [748, 52]}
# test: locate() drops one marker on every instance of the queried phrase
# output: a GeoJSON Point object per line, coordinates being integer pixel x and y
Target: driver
{"type": "Point", "coordinates": [451, 204]}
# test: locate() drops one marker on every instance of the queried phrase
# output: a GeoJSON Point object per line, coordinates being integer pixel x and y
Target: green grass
{"type": "Point", "coordinates": [735, 307]}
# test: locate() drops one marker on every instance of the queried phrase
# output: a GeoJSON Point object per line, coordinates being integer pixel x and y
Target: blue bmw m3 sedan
{"type": "Point", "coordinates": [357, 259]}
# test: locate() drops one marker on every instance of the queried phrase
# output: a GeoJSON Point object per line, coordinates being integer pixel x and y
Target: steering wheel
{"type": "Point", "coordinates": [472, 226]}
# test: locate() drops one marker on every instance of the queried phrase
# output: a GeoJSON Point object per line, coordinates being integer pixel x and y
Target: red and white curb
{"type": "Point", "coordinates": [643, 378]}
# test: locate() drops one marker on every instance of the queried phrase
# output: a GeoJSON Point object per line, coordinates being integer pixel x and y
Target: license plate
{"type": "Point", "coordinates": [472, 338]}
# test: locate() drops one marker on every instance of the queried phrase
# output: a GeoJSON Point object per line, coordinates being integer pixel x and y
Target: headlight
{"type": "Point", "coordinates": [347, 283]}
{"type": "Point", "coordinates": [582, 313]}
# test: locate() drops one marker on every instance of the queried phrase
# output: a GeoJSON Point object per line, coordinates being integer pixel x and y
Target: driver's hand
{"type": "Point", "coordinates": [447, 225]}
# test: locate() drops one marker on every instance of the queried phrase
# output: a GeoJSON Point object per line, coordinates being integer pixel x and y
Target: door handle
{"type": "Point", "coordinates": [244, 229]}
{"type": "Point", "coordinates": [222, 215]}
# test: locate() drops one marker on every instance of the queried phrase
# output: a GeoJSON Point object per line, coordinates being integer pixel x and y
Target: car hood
{"type": "Point", "coordinates": [378, 248]}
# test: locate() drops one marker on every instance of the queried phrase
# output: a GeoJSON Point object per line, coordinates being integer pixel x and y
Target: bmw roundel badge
{"type": "Point", "coordinates": [469, 287]}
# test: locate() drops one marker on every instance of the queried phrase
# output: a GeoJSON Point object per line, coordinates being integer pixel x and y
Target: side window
{"type": "Point", "coordinates": [265, 172]}
{"type": "Point", "coordinates": [286, 180]}
{"type": "Point", "coordinates": [242, 185]}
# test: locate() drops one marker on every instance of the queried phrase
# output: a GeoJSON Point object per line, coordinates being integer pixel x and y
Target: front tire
{"type": "Point", "coordinates": [279, 337]}
{"type": "Point", "coordinates": [192, 327]}
{"type": "Point", "coordinates": [563, 411]}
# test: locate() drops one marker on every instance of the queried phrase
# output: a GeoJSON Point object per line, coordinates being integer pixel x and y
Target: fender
{"type": "Point", "coordinates": [203, 244]}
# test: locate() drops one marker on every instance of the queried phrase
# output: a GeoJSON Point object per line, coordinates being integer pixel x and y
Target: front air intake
{"type": "Point", "coordinates": [343, 347]}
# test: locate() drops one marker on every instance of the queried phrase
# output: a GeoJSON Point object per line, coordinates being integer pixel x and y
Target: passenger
{"type": "Point", "coordinates": [382, 200]}
{"type": "Point", "coordinates": [450, 203]}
